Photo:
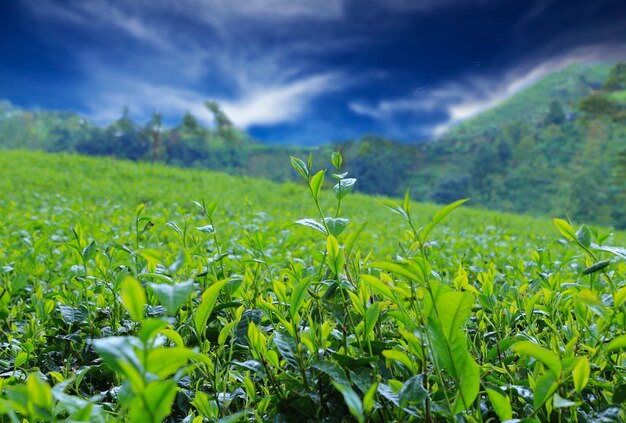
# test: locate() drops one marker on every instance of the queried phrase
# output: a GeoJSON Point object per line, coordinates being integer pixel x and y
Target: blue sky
{"type": "Point", "coordinates": [296, 71]}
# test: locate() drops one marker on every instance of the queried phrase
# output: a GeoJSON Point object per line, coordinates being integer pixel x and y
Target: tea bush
{"type": "Point", "coordinates": [136, 292]}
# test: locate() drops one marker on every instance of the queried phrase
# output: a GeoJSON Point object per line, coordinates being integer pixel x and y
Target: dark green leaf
{"type": "Point", "coordinates": [413, 392]}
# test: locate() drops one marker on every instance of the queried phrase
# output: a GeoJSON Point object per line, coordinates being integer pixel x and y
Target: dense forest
{"type": "Point", "coordinates": [556, 147]}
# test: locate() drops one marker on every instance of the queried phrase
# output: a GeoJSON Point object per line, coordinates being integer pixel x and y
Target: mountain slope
{"type": "Point", "coordinates": [567, 85]}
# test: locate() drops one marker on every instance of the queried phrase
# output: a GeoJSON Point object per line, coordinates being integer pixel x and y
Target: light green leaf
{"type": "Point", "coordinates": [449, 355]}
{"type": "Point", "coordinates": [316, 183]}
{"type": "Point", "coordinates": [368, 398]}
{"type": "Point", "coordinates": [533, 350]}
{"type": "Point", "coordinates": [371, 317]}
{"type": "Point", "coordinates": [439, 216]}
{"type": "Point", "coordinates": [617, 343]}
{"type": "Point", "coordinates": [393, 207]}
{"type": "Point", "coordinates": [581, 373]}
{"type": "Point", "coordinates": [406, 204]}
{"type": "Point", "coordinates": [298, 295]}
{"type": "Point", "coordinates": [501, 404]}
{"type": "Point", "coordinates": [335, 258]}
{"type": "Point", "coordinates": [157, 399]}
{"type": "Point", "coordinates": [453, 310]}
{"type": "Point", "coordinates": [565, 229]}
{"type": "Point", "coordinates": [469, 384]}
{"type": "Point", "coordinates": [336, 160]}
{"type": "Point", "coordinates": [312, 223]}
{"type": "Point", "coordinates": [164, 362]}
{"type": "Point", "coordinates": [398, 269]}
{"type": "Point", "coordinates": [300, 166]}
{"type": "Point", "coordinates": [172, 296]}
{"type": "Point", "coordinates": [133, 297]}
{"type": "Point", "coordinates": [40, 398]}
{"type": "Point", "coordinates": [560, 402]}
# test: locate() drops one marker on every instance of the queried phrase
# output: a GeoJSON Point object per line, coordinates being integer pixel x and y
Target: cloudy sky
{"type": "Point", "coordinates": [296, 71]}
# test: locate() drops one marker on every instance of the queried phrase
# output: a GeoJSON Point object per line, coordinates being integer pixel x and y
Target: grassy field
{"type": "Point", "coordinates": [137, 292]}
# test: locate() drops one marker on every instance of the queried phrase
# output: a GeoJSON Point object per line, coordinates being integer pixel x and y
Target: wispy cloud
{"type": "Point", "coordinates": [261, 105]}
{"type": "Point", "coordinates": [215, 58]}
{"type": "Point", "coordinates": [466, 97]}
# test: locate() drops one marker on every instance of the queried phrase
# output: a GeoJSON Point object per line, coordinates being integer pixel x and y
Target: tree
{"type": "Point", "coordinates": [154, 130]}
{"type": "Point", "coordinates": [555, 115]}
{"type": "Point", "coordinates": [617, 78]}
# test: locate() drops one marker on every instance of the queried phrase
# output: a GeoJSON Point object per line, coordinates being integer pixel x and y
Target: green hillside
{"type": "Point", "coordinates": [531, 104]}
{"type": "Point", "coordinates": [555, 148]}
{"type": "Point", "coordinates": [141, 292]}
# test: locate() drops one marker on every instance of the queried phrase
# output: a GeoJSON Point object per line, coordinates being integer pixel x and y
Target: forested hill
{"type": "Point", "coordinates": [567, 86]}
{"type": "Point", "coordinates": [558, 147]}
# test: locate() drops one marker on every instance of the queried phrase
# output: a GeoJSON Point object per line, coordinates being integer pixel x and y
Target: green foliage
{"type": "Point", "coordinates": [181, 310]}
{"type": "Point", "coordinates": [554, 148]}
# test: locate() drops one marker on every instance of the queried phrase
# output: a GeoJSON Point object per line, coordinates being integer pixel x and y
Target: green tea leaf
{"type": "Point", "coordinates": [581, 373]}
{"type": "Point", "coordinates": [393, 207]}
{"type": "Point", "coordinates": [336, 225]}
{"type": "Point", "coordinates": [368, 398]}
{"type": "Point", "coordinates": [352, 400]}
{"type": "Point", "coordinates": [439, 216]}
{"type": "Point", "coordinates": [298, 295]}
{"type": "Point", "coordinates": [172, 296]}
{"type": "Point", "coordinates": [533, 350]}
{"type": "Point", "coordinates": [313, 224]}
{"type": "Point", "coordinates": [583, 235]}
{"type": "Point", "coordinates": [300, 167]}
{"type": "Point", "coordinates": [333, 370]}
{"type": "Point", "coordinates": [565, 228]}
{"type": "Point", "coordinates": [371, 318]}
{"type": "Point", "coordinates": [469, 384]}
{"type": "Point", "coordinates": [560, 402]}
{"type": "Point", "coordinates": [344, 187]}
{"type": "Point", "coordinates": [316, 183]}
{"type": "Point", "coordinates": [158, 398]}
{"type": "Point", "coordinates": [617, 343]}
{"type": "Point", "coordinates": [413, 392]}
{"type": "Point", "coordinates": [164, 362]}
{"type": "Point", "coordinates": [203, 312]}
{"type": "Point", "coordinates": [453, 310]}
{"type": "Point", "coordinates": [287, 348]}
{"type": "Point", "coordinates": [406, 204]}
{"type": "Point", "coordinates": [596, 267]}
{"type": "Point", "coordinates": [501, 404]}
{"type": "Point", "coordinates": [335, 258]}
{"type": "Point", "coordinates": [336, 159]}
{"type": "Point", "coordinates": [40, 398]}
{"type": "Point", "coordinates": [133, 297]}
{"type": "Point", "coordinates": [545, 387]}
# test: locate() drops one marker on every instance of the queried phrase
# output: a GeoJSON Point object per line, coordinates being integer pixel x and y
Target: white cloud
{"type": "Point", "coordinates": [467, 97]}
{"type": "Point", "coordinates": [261, 106]}
{"type": "Point", "coordinates": [174, 70]}
{"type": "Point", "coordinates": [281, 103]}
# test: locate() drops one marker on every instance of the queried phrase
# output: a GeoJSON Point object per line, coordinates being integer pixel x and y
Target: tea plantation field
{"type": "Point", "coordinates": [142, 293]}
